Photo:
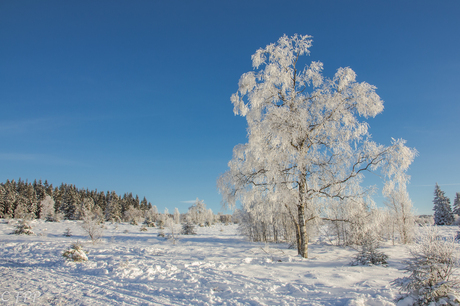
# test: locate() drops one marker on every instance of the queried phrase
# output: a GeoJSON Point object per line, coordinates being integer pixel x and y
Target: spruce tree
{"type": "Point", "coordinates": [442, 210]}
{"type": "Point", "coordinates": [9, 198]}
{"type": "Point", "coordinates": [456, 209]}
{"type": "Point", "coordinates": [113, 208]}
{"type": "Point", "coordinates": [20, 207]}
{"type": "Point", "coordinates": [32, 203]}
{"type": "Point", "coordinates": [143, 204]}
{"type": "Point", "coordinates": [2, 201]}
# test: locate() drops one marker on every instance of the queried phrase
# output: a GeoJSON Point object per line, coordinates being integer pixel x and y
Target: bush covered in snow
{"type": "Point", "coordinates": [76, 253]}
{"type": "Point", "coordinates": [92, 225]}
{"type": "Point", "coordinates": [24, 228]}
{"type": "Point", "coordinates": [431, 279]}
{"type": "Point", "coordinates": [68, 232]}
{"type": "Point", "coordinates": [369, 255]}
{"type": "Point", "coordinates": [188, 228]}
{"type": "Point", "coordinates": [424, 220]}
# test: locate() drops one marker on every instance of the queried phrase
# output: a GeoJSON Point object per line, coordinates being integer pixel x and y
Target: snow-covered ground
{"type": "Point", "coordinates": [214, 267]}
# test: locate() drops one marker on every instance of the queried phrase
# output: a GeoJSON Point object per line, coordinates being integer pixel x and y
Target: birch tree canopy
{"type": "Point", "coordinates": [308, 141]}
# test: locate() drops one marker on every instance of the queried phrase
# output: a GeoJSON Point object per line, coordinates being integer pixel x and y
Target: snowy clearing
{"type": "Point", "coordinates": [214, 267]}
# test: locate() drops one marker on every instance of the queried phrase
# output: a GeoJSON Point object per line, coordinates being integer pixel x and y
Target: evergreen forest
{"type": "Point", "coordinates": [19, 199]}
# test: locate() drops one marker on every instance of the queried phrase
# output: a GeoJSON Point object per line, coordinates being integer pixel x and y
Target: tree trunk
{"type": "Point", "coordinates": [297, 236]}
{"type": "Point", "coordinates": [303, 246]}
{"type": "Point", "coordinates": [303, 243]}
{"type": "Point", "coordinates": [297, 229]}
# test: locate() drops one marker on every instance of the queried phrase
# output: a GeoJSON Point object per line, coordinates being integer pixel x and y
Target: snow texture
{"type": "Point", "coordinates": [214, 267]}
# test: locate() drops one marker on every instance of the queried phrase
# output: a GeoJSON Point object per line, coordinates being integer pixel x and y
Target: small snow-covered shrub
{"type": "Point", "coordinates": [424, 220]}
{"type": "Point", "coordinates": [431, 269]}
{"type": "Point", "coordinates": [58, 217]}
{"type": "Point", "coordinates": [92, 225]}
{"type": "Point", "coordinates": [76, 253]}
{"type": "Point", "coordinates": [24, 228]}
{"type": "Point", "coordinates": [457, 220]}
{"type": "Point", "coordinates": [143, 228]}
{"type": "Point", "coordinates": [133, 215]}
{"type": "Point", "coordinates": [115, 219]}
{"type": "Point", "coordinates": [149, 223]}
{"type": "Point", "coordinates": [369, 255]}
{"type": "Point", "coordinates": [68, 232]}
{"type": "Point", "coordinates": [172, 235]}
{"type": "Point", "coordinates": [188, 229]}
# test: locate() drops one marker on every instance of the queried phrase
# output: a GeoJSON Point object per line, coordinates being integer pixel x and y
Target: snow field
{"type": "Point", "coordinates": [214, 267]}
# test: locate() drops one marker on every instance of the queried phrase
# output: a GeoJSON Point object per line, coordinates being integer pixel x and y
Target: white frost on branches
{"type": "Point", "coordinates": [47, 208]}
{"type": "Point", "coordinates": [306, 142]}
{"type": "Point", "coordinates": [197, 213]}
{"type": "Point", "coordinates": [431, 279]}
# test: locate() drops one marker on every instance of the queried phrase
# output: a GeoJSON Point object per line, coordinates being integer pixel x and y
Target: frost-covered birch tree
{"type": "Point", "coordinates": [47, 208]}
{"type": "Point", "coordinates": [400, 205]}
{"type": "Point", "coordinates": [307, 141]}
{"type": "Point", "coordinates": [176, 216]}
{"type": "Point", "coordinates": [197, 212]}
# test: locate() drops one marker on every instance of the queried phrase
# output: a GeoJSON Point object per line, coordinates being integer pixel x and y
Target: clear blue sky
{"type": "Point", "coordinates": [134, 96]}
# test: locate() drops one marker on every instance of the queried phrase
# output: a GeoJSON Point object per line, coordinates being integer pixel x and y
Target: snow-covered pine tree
{"type": "Point", "coordinates": [368, 254]}
{"type": "Point", "coordinates": [456, 208]}
{"type": "Point", "coordinates": [113, 208]}
{"type": "Point", "coordinates": [144, 204]}
{"type": "Point", "coordinates": [2, 201]}
{"type": "Point", "coordinates": [70, 201]}
{"type": "Point", "coordinates": [20, 207]}
{"type": "Point", "coordinates": [48, 188]}
{"type": "Point", "coordinates": [188, 228]}
{"type": "Point", "coordinates": [442, 209]}
{"type": "Point", "coordinates": [32, 202]}
{"type": "Point", "coordinates": [7, 200]}
{"type": "Point", "coordinates": [40, 190]}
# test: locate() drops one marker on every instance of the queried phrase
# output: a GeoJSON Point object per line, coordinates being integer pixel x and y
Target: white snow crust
{"type": "Point", "coordinates": [214, 267]}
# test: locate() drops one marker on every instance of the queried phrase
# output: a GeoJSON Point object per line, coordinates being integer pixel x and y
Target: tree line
{"type": "Point", "coordinates": [22, 198]}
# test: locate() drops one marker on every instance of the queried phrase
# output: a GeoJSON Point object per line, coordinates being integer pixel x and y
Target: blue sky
{"type": "Point", "coordinates": [134, 96]}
